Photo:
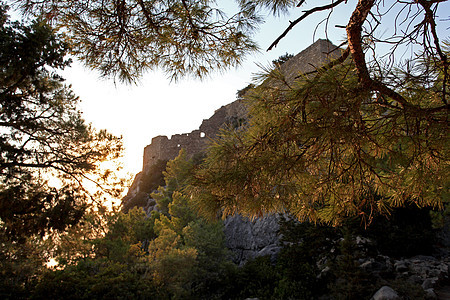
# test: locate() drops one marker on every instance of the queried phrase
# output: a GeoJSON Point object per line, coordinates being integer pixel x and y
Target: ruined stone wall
{"type": "Point", "coordinates": [233, 114]}
{"type": "Point", "coordinates": [164, 148]}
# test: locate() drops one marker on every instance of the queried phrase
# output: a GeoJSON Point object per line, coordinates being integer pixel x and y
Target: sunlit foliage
{"type": "Point", "coordinates": [323, 148]}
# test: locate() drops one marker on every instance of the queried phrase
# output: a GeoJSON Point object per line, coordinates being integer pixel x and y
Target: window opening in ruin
{"type": "Point", "coordinates": [202, 134]}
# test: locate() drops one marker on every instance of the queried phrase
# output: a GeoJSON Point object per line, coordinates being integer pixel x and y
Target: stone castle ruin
{"type": "Point", "coordinates": [164, 148]}
{"type": "Point", "coordinates": [246, 238]}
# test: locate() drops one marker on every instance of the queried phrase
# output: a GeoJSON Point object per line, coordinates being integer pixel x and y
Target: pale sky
{"type": "Point", "coordinates": [157, 106]}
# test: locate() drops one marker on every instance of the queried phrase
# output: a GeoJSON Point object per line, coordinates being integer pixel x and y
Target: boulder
{"type": "Point", "coordinates": [401, 266]}
{"type": "Point", "coordinates": [385, 293]}
{"type": "Point", "coordinates": [429, 283]}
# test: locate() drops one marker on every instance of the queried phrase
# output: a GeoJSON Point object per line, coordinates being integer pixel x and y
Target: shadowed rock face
{"type": "Point", "coordinates": [246, 238]}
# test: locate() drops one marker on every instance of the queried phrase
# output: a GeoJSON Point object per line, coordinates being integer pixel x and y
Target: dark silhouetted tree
{"type": "Point", "coordinates": [48, 152]}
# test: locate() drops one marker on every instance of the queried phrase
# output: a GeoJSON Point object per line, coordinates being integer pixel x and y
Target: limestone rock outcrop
{"type": "Point", "coordinates": [248, 238]}
{"type": "Point", "coordinates": [426, 271]}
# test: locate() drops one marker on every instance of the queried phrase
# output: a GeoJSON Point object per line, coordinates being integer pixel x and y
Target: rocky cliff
{"type": "Point", "coordinates": [246, 238]}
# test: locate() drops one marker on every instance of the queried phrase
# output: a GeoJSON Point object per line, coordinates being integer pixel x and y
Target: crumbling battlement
{"type": "Point", "coordinates": [163, 148]}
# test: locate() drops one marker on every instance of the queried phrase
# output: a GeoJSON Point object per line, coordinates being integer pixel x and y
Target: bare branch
{"type": "Point", "coordinates": [306, 14]}
{"type": "Point", "coordinates": [354, 29]}
{"type": "Point", "coordinates": [429, 18]}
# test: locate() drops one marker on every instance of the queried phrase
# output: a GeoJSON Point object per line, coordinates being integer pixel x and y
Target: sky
{"type": "Point", "coordinates": [157, 106]}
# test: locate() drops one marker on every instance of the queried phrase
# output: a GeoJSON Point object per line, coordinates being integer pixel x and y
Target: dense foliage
{"type": "Point", "coordinates": [49, 158]}
{"type": "Point", "coordinates": [173, 253]}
